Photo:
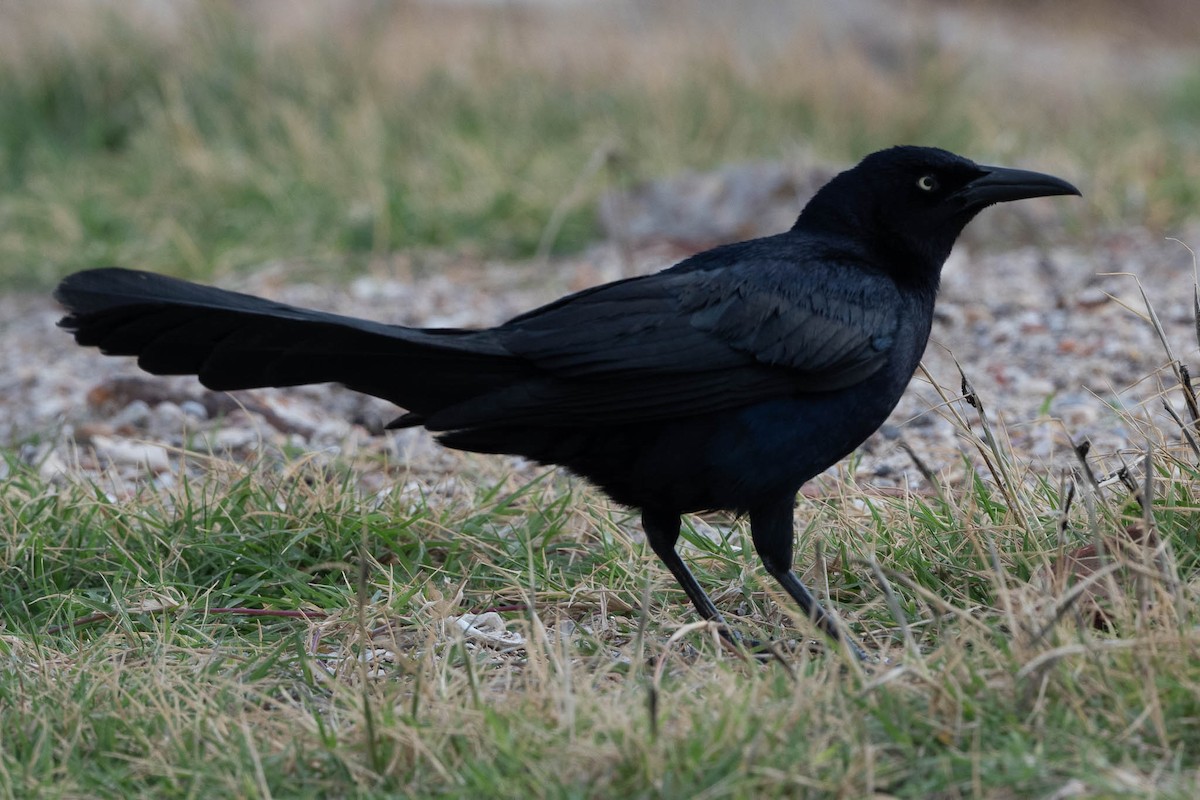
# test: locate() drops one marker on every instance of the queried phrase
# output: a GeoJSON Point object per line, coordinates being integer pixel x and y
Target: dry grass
{"type": "Point", "coordinates": [991, 684]}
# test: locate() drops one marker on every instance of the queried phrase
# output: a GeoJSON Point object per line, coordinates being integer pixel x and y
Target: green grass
{"type": "Point", "coordinates": [214, 151]}
{"type": "Point", "coordinates": [137, 656]}
{"type": "Point", "coordinates": [122, 673]}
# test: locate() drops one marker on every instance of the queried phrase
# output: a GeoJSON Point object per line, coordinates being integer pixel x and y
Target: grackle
{"type": "Point", "coordinates": [722, 383]}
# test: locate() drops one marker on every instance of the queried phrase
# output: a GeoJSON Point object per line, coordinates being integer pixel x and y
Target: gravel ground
{"type": "Point", "coordinates": [1054, 342]}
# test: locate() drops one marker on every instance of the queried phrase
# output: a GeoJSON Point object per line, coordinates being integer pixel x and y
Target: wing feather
{"type": "Point", "coordinates": [692, 341]}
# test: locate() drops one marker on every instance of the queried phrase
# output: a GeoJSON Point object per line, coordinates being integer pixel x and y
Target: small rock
{"type": "Point", "coordinates": [488, 629]}
{"type": "Point", "coordinates": [152, 457]}
{"type": "Point", "coordinates": [1091, 297]}
{"type": "Point", "coordinates": [194, 409]}
{"type": "Point", "coordinates": [233, 439]}
{"type": "Point", "coordinates": [133, 417]}
{"type": "Point", "coordinates": [51, 467]}
{"type": "Point", "coordinates": [168, 422]}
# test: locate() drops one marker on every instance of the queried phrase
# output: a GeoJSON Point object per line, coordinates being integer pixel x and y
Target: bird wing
{"type": "Point", "coordinates": [687, 342]}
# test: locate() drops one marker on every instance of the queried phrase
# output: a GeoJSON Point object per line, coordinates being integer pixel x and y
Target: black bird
{"type": "Point", "coordinates": [722, 383]}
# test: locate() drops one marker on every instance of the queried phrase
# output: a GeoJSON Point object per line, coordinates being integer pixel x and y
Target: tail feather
{"type": "Point", "coordinates": [237, 341]}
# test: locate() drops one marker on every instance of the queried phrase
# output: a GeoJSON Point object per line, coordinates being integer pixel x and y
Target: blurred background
{"type": "Point", "coordinates": [203, 138]}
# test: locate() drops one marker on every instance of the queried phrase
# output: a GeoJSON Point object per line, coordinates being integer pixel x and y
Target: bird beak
{"type": "Point", "coordinates": [1001, 184]}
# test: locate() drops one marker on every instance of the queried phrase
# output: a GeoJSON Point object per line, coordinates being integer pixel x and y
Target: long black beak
{"type": "Point", "coordinates": [1001, 184]}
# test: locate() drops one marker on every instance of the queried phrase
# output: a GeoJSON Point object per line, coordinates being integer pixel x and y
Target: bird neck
{"type": "Point", "coordinates": [915, 266]}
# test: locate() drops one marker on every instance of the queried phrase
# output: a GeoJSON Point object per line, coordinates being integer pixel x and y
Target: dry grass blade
{"type": "Point", "coordinates": [1185, 430]}
{"type": "Point", "coordinates": [996, 458]}
{"type": "Point", "coordinates": [1195, 286]}
{"type": "Point", "coordinates": [1049, 657]}
{"type": "Point", "coordinates": [910, 643]}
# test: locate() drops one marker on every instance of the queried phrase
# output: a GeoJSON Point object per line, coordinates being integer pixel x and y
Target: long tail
{"type": "Point", "coordinates": [237, 341]}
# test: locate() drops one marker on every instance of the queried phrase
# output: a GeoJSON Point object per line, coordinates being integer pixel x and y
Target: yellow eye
{"type": "Point", "coordinates": [927, 183]}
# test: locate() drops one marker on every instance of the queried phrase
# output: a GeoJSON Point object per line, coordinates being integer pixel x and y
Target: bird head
{"type": "Point", "coordinates": [911, 203]}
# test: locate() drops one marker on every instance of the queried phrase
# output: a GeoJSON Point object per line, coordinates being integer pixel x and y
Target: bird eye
{"type": "Point", "coordinates": [927, 183]}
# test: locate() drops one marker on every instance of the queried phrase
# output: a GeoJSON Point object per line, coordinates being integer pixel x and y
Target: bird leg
{"type": "Point", "coordinates": [771, 530]}
{"type": "Point", "coordinates": [662, 531]}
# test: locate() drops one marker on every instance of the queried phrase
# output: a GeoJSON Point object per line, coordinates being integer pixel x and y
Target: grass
{"type": "Point", "coordinates": [279, 628]}
{"type": "Point", "coordinates": [212, 146]}
{"type": "Point", "coordinates": [125, 671]}
{"type": "Point", "coordinates": [135, 657]}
